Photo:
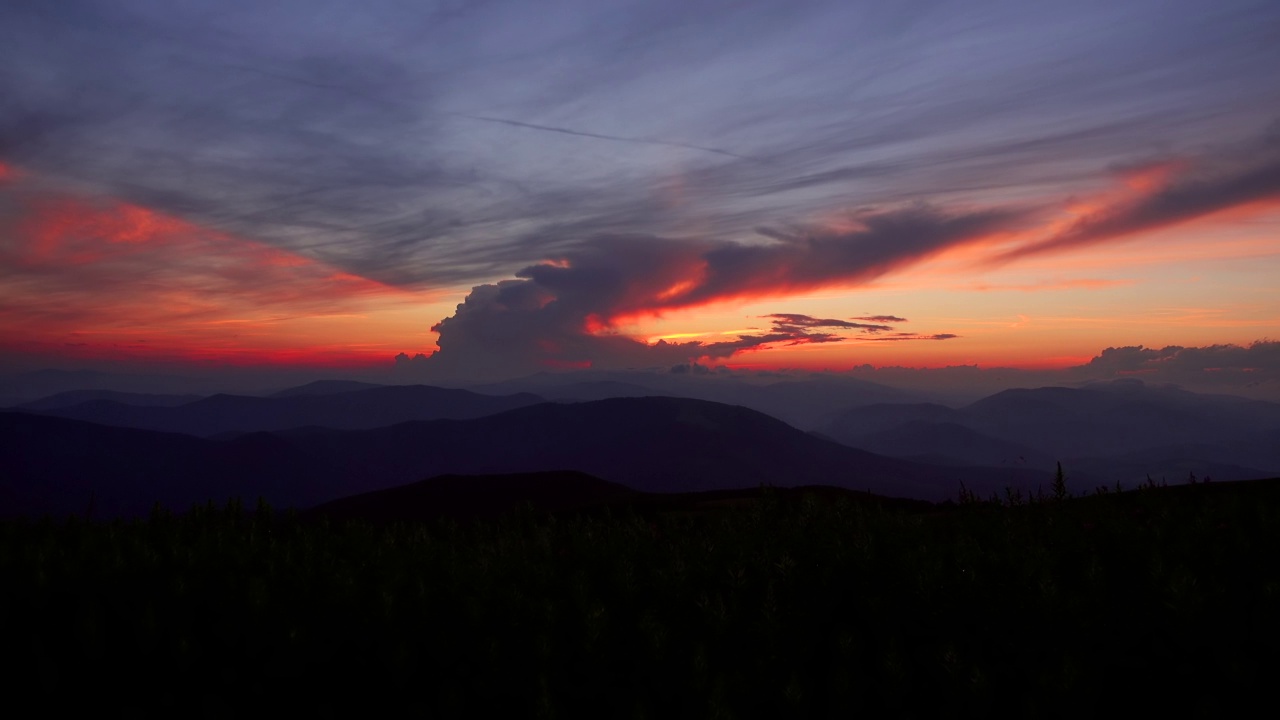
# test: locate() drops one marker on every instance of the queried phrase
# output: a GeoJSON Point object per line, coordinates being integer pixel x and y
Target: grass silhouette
{"type": "Point", "coordinates": [787, 604]}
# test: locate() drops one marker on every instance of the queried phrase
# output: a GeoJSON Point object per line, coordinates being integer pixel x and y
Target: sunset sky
{"type": "Point", "coordinates": [524, 186]}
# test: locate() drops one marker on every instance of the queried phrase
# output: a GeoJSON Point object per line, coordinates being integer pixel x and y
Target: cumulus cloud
{"type": "Point", "coordinates": [560, 313]}
{"type": "Point", "coordinates": [1242, 365]}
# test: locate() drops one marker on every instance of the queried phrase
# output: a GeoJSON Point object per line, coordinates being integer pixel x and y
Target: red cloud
{"type": "Point", "coordinates": [101, 278]}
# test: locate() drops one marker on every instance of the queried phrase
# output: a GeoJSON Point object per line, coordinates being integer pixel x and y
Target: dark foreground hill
{"type": "Point", "coordinates": [485, 497]}
{"type": "Point", "coordinates": [307, 406]}
{"type": "Point", "coordinates": [1153, 603]}
{"type": "Point", "coordinates": [647, 444]}
{"type": "Point", "coordinates": [469, 497]}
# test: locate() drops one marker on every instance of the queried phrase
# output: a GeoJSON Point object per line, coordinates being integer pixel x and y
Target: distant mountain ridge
{"type": "Point", "coordinates": [646, 444]}
{"type": "Point", "coordinates": [71, 398]}
{"type": "Point", "coordinates": [326, 387]}
{"type": "Point", "coordinates": [1108, 431]}
{"type": "Point", "coordinates": [806, 403]}
{"type": "Point", "coordinates": [350, 410]}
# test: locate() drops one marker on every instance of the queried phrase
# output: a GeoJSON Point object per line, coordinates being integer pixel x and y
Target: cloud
{"type": "Point", "coordinates": [882, 319]}
{"type": "Point", "coordinates": [565, 310]}
{"type": "Point", "coordinates": [442, 144]}
{"type": "Point", "coordinates": [112, 279]}
{"type": "Point", "coordinates": [1159, 195]}
{"type": "Point", "coordinates": [1211, 364]}
{"type": "Point", "coordinates": [898, 337]}
{"type": "Point", "coordinates": [613, 138]}
{"type": "Point", "coordinates": [438, 146]}
{"type": "Point", "coordinates": [794, 320]}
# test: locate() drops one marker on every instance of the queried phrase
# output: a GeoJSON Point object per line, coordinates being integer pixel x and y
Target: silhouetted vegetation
{"type": "Point", "coordinates": [785, 604]}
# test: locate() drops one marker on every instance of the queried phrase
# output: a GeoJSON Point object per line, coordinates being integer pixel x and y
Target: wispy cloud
{"type": "Point", "coordinates": [1173, 195]}
{"type": "Point", "coordinates": [672, 154]}
{"type": "Point", "coordinates": [428, 144]}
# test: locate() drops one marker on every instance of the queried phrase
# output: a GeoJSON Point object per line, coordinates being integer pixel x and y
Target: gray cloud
{"type": "Point", "coordinates": [882, 319]}
{"type": "Point", "coordinates": [560, 313]}
{"type": "Point", "coordinates": [442, 143]}
{"type": "Point", "coordinates": [804, 321]}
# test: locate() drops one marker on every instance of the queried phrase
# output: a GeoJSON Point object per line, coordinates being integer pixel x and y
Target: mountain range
{"type": "Point", "coordinates": [656, 444]}
{"type": "Point", "coordinates": [322, 441]}
{"type": "Point", "coordinates": [1119, 431]}
{"type": "Point", "coordinates": [371, 407]}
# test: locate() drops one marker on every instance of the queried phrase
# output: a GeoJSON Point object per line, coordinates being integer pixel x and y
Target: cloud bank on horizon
{"type": "Point", "coordinates": [575, 168]}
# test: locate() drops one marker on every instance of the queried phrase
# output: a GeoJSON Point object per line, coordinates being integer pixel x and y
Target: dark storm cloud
{"type": "Point", "coordinates": [804, 321]}
{"type": "Point", "coordinates": [441, 143]}
{"type": "Point", "coordinates": [618, 276]}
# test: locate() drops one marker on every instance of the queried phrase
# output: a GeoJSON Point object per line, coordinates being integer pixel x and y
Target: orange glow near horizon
{"type": "Point", "coordinates": [93, 279]}
{"type": "Point", "coordinates": [116, 281]}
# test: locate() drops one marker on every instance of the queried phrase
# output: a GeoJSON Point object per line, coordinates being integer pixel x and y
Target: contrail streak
{"type": "Point", "coordinates": [598, 136]}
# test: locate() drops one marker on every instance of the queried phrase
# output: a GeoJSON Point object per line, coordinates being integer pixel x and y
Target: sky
{"type": "Point", "coordinates": [477, 190]}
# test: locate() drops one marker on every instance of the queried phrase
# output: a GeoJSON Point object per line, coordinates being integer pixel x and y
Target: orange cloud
{"type": "Point", "coordinates": [1157, 196]}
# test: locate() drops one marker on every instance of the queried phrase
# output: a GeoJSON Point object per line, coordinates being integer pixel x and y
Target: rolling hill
{"type": "Point", "coordinates": [646, 444]}
{"type": "Point", "coordinates": [357, 409]}
{"type": "Point", "coordinates": [1109, 432]}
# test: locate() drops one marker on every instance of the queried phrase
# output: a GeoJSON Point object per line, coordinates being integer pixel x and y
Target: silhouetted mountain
{"type": "Point", "coordinates": [1084, 422]}
{"type": "Point", "coordinates": [879, 417]}
{"type": "Point", "coordinates": [58, 466]}
{"type": "Point", "coordinates": [1107, 431]}
{"type": "Point", "coordinates": [37, 384]}
{"type": "Point", "coordinates": [360, 409]}
{"type": "Point", "coordinates": [76, 397]}
{"type": "Point", "coordinates": [949, 444]}
{"type": "Point", "coordinates": [655, 444]}
{"type": "Point", "coordinates": [647, 444]}
{"type": "Point", "coordinates": [326, 387]}
{"type": "Point", "coordinates": [599, 390]}
{"type": "Point", "coordinates": [805, 403]}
